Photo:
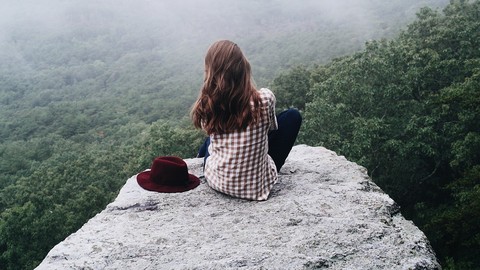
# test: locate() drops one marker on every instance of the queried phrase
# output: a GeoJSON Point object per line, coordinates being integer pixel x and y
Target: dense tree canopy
{"type": "Point", "coordinates": [409, 111]}
{"type": "Point", "coordinates": [91, 92]}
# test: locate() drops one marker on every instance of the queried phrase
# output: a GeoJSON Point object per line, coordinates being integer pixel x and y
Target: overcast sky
{"type": "Point", "coordinates": [183, 29]}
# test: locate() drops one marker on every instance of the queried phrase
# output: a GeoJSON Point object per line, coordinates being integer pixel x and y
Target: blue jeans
{"type": "Point", "coordinates": [280, 141]}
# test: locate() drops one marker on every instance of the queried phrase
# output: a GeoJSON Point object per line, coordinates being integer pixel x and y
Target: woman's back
{"type": "Point", "coordinates": [244, 150]}
{"type": "Point", "coordinates": [239, 164]}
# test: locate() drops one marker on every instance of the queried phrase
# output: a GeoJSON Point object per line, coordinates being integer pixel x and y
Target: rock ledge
{"type": "Point", "coordinates": [324, 212]}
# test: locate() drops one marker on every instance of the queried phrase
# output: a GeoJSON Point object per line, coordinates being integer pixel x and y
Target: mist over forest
{"type": "Point", "coordinates": [147, 52]}
{"type": "Point", "coordinates": [274, 34]}
{"type": "Point", "coordinates": [92, 91]}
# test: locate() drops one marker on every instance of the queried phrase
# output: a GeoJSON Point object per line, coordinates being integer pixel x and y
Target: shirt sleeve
{"type": "Point", "coordinates": [273, 118]}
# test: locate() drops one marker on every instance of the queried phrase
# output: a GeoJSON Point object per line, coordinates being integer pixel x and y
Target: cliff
{"type": "Point", "coordinates": [324, 212]}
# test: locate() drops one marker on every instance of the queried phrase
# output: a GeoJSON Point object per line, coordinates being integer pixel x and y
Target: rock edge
{"type": "Point", "coordinates": [324, 212]}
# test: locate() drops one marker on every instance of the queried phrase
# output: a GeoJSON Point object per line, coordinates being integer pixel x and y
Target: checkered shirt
{"type": "Point", "coordinates": [239, 164]}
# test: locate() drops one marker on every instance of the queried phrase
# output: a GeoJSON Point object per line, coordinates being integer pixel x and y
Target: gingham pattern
{"type": "Point", "coordinates": [239, 164]}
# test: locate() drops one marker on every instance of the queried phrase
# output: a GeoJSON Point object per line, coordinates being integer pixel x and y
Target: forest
{"type": "Point", "coordinates": [408, 109]}
{"type": "Point", "coordinates": [91, 92]}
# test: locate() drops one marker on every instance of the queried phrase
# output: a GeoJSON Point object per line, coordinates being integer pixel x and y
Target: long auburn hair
{"type": "Point", "coordinates": [225, 101]}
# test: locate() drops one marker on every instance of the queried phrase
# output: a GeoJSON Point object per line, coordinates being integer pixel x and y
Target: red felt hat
{"type": "Point", "coordinates": [168, 174]}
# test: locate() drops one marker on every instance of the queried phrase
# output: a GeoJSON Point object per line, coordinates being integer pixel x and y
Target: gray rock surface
{"type": "Point", "coordinates": [324, 212]}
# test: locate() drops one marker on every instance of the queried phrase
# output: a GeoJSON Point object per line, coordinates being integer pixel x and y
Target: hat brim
{"type": "Point", "coordinates": [143, 179]}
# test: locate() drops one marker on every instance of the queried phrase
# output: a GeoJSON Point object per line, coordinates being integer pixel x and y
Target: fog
{"type": "Point", "coordinates": [275, 34]}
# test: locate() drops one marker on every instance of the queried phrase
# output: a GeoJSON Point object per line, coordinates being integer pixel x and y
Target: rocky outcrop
{"type": "Point", "coordinates": [324, 212]}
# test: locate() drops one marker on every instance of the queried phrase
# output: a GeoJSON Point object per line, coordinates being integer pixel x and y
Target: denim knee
{"type": "Point", "coordinates": [293, 115]}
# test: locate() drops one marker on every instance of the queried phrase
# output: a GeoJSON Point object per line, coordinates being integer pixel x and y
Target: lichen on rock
{"type": "Point", "coordinates": [324, 212]}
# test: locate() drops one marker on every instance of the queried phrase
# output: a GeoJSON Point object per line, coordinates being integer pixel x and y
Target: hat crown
{"type": "Point", "coordinates": [169, 170]}
{"type": "Point", "coordinates": [168, 174]}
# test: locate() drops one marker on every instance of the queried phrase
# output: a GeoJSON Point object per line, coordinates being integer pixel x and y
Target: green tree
{"type": "Point", "coordinates": [408, 110]}
{"type": "Point", "coordinates": [291, 88]}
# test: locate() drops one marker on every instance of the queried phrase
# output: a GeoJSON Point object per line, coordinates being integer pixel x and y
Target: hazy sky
{"type": "Point", "coordinates": [210, 16]}
{"type": "Point", "coordinates": [184, 28]}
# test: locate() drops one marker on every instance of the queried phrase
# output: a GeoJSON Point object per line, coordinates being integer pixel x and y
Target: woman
{"type": "Point", "coordinates": [246, 145]}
